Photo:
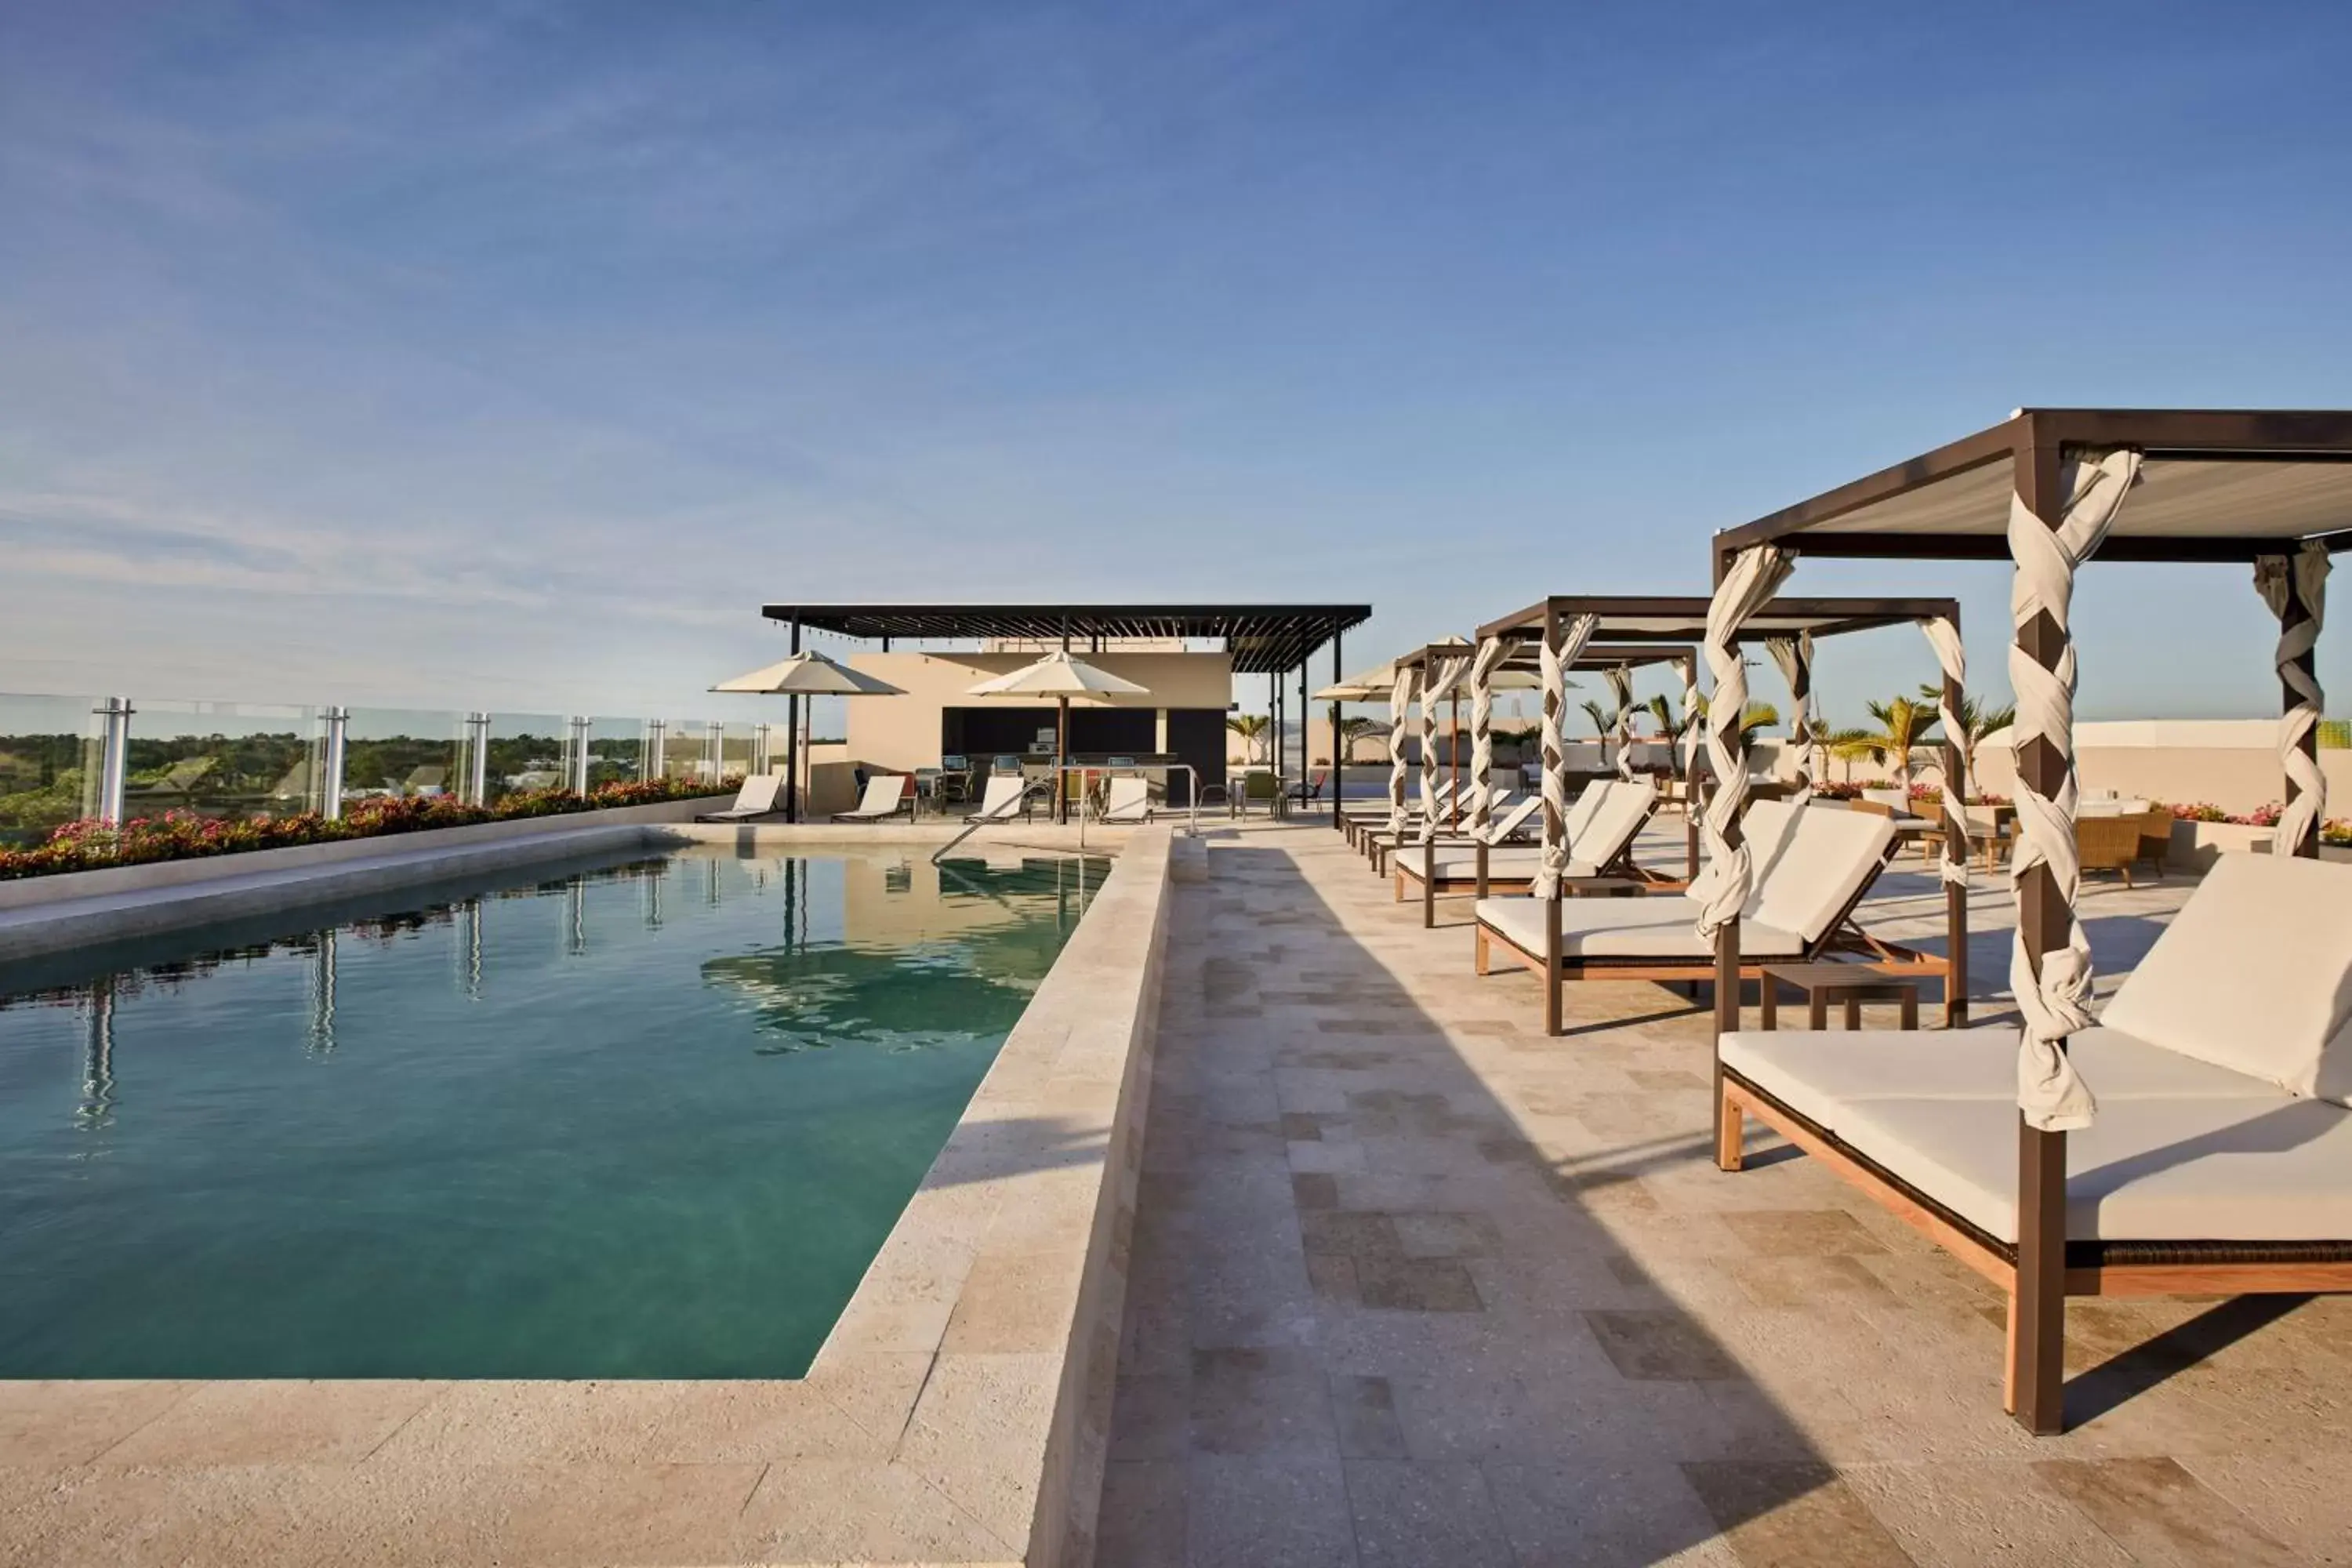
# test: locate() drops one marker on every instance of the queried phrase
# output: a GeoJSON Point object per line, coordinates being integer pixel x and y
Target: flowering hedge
{"type": "Point", "coordinates": [91, 844]}
{"type": "Point", "coordinates": [2206, 811]}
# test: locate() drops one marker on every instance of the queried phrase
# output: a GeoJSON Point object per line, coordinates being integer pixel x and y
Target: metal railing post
{"type": "Point", "coordinates": [331, 763]}
{"type": "Point", "coordinates": [579, 779]}
{"type": "Point", "coordinates": [114, 758]}
{"type": "Point", "coordinates": [655, 761]}
{"type": "Point", "coordinates": [761, 749]}
{"type": "Point", "coordinates": [712, 754]}
{"type": "Point", "coordinates": [478, 759]}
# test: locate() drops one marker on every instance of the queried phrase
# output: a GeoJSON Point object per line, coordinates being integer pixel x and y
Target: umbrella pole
{"type": "Point", "coordinates": [1061, 765]}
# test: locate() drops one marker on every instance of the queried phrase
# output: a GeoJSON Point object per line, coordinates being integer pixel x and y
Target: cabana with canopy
{"type": "Point", "coordinates": [1442, 670]}
{"type": "Point", "coordinates": [2220, 1162]}
{"type": "Point", "coordinates": [1560, 628]}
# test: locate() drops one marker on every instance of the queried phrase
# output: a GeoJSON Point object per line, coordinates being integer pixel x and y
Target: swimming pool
{"type": "Point", "coordinates": [645, 1119]}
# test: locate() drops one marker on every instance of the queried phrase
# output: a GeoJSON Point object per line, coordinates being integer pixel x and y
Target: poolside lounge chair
{"type": "Point", "coordinates": [1580, 816]}
{"type": "Point", "coordinates": [1007, 795]}
{"type": "Point", "coordinates": [1814, 865]}
{"type": "Point", "coordinates": [1373, 816]}
{"type": "Point", "coordinates": [757, 798]}
{"type": "Point", "coordinates": [1126, 800]}
{"type": "Point", "coordinates": [2221, 1155]}
{"type": "Point", "coordinates": [1600, 844]}
{"type": "Point", "coordinates": [1452, 824]}
{"type": "Point", "coordinates": [886, 797]}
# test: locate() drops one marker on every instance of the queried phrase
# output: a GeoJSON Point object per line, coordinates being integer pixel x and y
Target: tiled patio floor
{"type": "Point", "coordinates": [1413, 1284]}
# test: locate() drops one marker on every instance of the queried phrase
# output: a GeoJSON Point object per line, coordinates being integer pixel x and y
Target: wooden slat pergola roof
{"type": "Point", "coordinates": [1260, 638]}
{"type": "Point", "coordinates": [2215, 485]}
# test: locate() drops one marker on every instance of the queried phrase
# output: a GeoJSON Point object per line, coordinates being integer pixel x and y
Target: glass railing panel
{"type": "Point", "coordinates": [48, 765]}
{"type": "Point", "coordinates": [737, 747]}
{"type": "Point", "coordinates": [226, 760]}
{"type": "Point", "coordinates": [687, 754]}
{"type": "Point", "coordinates": [402, 752]}
{"type": "Point", "coordinates": [527, 753]}
{"type": "Point", "coordinates": [617, 750]}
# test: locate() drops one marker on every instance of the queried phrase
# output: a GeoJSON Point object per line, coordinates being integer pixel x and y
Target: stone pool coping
{"type": "Point", "coordinates": [958, 1413]}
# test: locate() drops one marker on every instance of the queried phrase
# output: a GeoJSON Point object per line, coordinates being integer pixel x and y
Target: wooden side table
{"type": "Point", "coordinates": [1851, 984]}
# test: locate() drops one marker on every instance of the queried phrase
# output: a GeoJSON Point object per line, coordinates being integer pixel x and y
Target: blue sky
{"type": "Point", "coordinates": [512, 356]}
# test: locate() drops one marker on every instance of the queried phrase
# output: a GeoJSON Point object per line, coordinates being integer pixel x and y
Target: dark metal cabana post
{"type": "Point", "coordinates": [2037, 1309]}
{"type": "Point", "coordinates": [1727, 936]}
{"type": "Point", "coordinates": [2293, 615]}
{"type": "Point", "coordinates": [1956, 852]}
{"type": "Point", "coordinates": [793, 743]}
{"type": "Point", "coordinates": [1338, 754]}
{"type": "Point", "coordinates": [1305, 761]}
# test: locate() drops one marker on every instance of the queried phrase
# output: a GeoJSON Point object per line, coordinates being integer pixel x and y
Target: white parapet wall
{"type": "Point", "coordinates": [2229, 763]}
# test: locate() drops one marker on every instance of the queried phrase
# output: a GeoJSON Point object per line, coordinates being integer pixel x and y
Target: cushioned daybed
{"type": "Point", "coordinates": [1815, 863]}
{"type": "Point", "coordinates": [2220, 1156]}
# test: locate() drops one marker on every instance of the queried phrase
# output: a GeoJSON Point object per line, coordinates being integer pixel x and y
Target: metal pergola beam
{"type": "Point", "coordinates": [1261, 639]}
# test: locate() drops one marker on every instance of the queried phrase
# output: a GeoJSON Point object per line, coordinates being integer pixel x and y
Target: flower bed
{"type": "Point", "coordinates": [2205, 811]}
{"type": "Point", "coordinates": [91, 846]}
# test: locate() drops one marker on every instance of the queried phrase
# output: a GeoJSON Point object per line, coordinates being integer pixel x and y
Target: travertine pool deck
{"type": "Point", "coordinates": [1411, 1283]}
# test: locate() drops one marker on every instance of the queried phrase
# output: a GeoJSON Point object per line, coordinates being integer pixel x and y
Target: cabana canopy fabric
{"type": "Point", "coordinates": [2305, 575]}
{"type": "Point", "coordinates": [1563, 643]}
{"type": "Point", "coordinates": [1724, 882]}
{"type": "Point", "coordinates": [2056, 1002]}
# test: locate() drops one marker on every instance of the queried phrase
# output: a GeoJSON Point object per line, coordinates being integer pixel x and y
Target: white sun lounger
{"type": "Point", "coordinates": [1004, 798]}
{"type": "Point", "coordinates": [1598, 847]}
{"type": "Point", "coordinates": [1814, 865]}
{"type": "Point", "coordinates": [886, 795]}
{"type": "Point", "coordinates": [1380, 842]}
{"type": "Point", "coordinates": [1373, 817]}
{"type": "Point", "coordinates": [756, 798]}
{"type": "Point", "coordinates": [1127, 800]}
{"type": "Point", "coordinates": [2221, 1154]}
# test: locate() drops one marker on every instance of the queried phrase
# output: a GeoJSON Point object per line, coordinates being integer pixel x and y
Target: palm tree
{"type": "Point", "coordinates": [1977, 721]}
{"type": "Point", "coordinates": [1902, 725]}
{"type": "Point", "coordinates": [1251, 728]}
{"type": "Point", "coordinates": [1758, 718]}
{"type": "Point", "coordinates": [1604, 719]}
{"type": "Point", "coordinates": [1354, 729]}
{"type": "Point", "coordinates": [1671, 724]}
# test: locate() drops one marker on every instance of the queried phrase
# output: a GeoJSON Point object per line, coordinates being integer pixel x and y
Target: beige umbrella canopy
{"type": "Point", "coordinates": [810, 674]}
{"type": "Point", "coordinates": [1060, 677]}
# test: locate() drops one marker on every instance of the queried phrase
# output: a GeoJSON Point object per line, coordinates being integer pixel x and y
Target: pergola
{"type": "Point", "coordinates": [1271, 640]}
{"type": "Point", "coordinates": [2049, 489]}
{"type": "Point", "coordinates": [1559, 627]}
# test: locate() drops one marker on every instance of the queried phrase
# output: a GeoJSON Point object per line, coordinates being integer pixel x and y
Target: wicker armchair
{"type": "Point", "coordinates": [2119, 843]}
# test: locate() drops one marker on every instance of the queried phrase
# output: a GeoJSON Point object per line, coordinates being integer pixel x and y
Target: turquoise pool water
{"type": "Point", "coordinates": [639, 1119]}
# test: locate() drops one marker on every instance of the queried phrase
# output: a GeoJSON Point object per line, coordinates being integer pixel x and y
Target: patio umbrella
{"type": "Point", "coordinates": [810, 674]}
{"type": "Point", "coordinates": [1060, 677]}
